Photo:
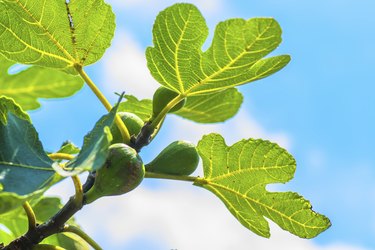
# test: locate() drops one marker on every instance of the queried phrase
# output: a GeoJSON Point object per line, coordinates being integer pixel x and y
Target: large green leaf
{"type": "Point", "coordinates": [210, 108]}
{"type": "Point", "coordinates": [142, 108]}
{"type": "Point", "coordinates": [5, 237]}
{"type": "Point", "coordinates": [234, 58]}
{"type": "Point", "coordinates": [69, 148]}
{"type": "Point", "coordinates": [67, 241]}
{"type": "Point", "coordinates": [215, 107]}
{"type": "Point", "coordinates": [10, 201]}
{"type": "Point", "coordinates": [238, 175]}
{"type": "Point", "coordinates": [94, 150]}
{"type": "Point", "coordinates": [24, 166]}
{"type": "Point", "coordinates": [27, 86]}
{"type": "Point", "coordinates": [57, 34]}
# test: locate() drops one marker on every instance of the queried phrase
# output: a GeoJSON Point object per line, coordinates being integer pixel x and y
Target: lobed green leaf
{"type": "Point", "coordinates": [10, 201]}
{"type": "Point", "coordinates": [27, 86]}
{"type": "Point", "coordinates": [234, 58]}
{"type": "Point", "coordinates": [238, 175]}
{"type": "Point", "coordinates": [141, 108]}
{"type": "Point", "coordinates": [24, 166]}
{"type": "Point", "coordinates": [94, 150]}
{"type": "Point", "coordinates": [211, 108]}
{"type": "Point", "coordinates": [56, 34]}
{"type": "Point", "coordinates": [69, 148]}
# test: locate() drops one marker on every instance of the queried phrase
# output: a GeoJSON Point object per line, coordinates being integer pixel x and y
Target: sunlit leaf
{"type": "Point", "coordinates": [234, 58]}
{"type": "Point", "coordinates": [56, 34]}
{"type": "Point", "coordinates": [5, 237]}
{"type": "Point", "coordinates": [10, 201]}
{"type": "Point", "coordinates": [142, 108]}
{"type": "Point", "coordinates": [27, 86]}
{"type": "Point", "coordinates": [215, 107]}
{"type": "Point", "coordinates": [239, 174]}
{"type": "Point", "coordinates": [69, 148]}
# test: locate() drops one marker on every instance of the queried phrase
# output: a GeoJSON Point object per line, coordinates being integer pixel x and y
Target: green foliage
{"type": "Point", "coordinates": [69, 148]}
{"type": "Point", "coordinates": [94, 150]}
{"type": "Point", "coordinates": [211, 108]}
{"type": "Point", "coordinates": [10, 200]}
{"type": "Point", "coordinates": [234, 58]}
{"type": "Point", "coordinates": [238, 175]}
{"type": "Point", "coordinates": [68, 35]}
{"type": "Point", "coordinates": [141, 108]}
{"type": "Point", "coordinates": [178, 158]}
{"type": "Point", "coordinates": [27, 86]}
{"type": "Point", "coordinates": [24, 166]}
{"type": "Point", "coordinates": [54, 33]}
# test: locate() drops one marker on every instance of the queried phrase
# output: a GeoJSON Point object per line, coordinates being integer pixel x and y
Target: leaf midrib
{"type": "Point", "coordinates": [14, 90]}
{"type": "Point", "coordinates": [178, 74]}
{"type": "Point", "coordinates": [254, 227]}
{"type": "Point", "coordinates": [209, 183]}
{"type": "Point", "coordinates": [247, 170]}
{"type": "Point", "coordinates": [70, 59]}
{"type": "Point", "coordinates": [11, 164]}
{"type": "Point", "coordinates": [207, 79]}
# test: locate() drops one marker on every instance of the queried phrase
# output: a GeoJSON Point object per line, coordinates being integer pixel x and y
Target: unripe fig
{"type": "Point", "coordinates": [161, 98]}
{"type": "Point", "coordinates": [131, 121]}
{"type": "Point", "coordinates": [122, 172]}
{"type": "Point", "coordinates": [178, 158]}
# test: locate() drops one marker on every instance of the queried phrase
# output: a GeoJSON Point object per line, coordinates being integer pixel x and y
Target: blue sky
{"type": "Point", "coordinates": [319, 107]}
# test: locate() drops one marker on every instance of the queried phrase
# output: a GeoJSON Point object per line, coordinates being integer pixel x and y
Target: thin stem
{"type": "Point", "coordinates": [172, 177]}
{"type": "Point", "coordinates": [30, 215]}
{"type": "Point", "coordinates": [83, 235]}
{"type": "Point", "coordinates": [160, 117]}
{"type": "Point", "coordinates": [78, 189]}
{"type": "Point", "coordinates": [61, 156]}
{"type": "Point", "coordinates": [121, 126]}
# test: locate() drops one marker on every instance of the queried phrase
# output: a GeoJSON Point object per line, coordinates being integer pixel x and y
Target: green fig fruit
{"type": "Point", "coordinates": [162, 97]}
{"type": "Point", "coordinates": [122, 172]}
{"type": "Point", "coordinates": [131, 121]}
{"type": "Point", "coordinates": [178, 158]}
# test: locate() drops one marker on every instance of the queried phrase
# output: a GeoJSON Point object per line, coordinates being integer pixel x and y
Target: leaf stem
{"type": "Point", "coordinates": [61, 156]}
{"type": "Point", "coordinates": [78, 189]}
{"type": "Point", "coordinates": [30, 215]}
{"type": "Point", "coordinates": [121, 126]}
{"type": "Point", "coordinates": [83, 235]}
{"type": "Point", "coordinates": [160, 117]}
{"type": "Point", "coordinates": [171, 177]}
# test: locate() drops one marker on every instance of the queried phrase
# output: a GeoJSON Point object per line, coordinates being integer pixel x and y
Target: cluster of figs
{"type": "Point", "coordinates": [124, 170]}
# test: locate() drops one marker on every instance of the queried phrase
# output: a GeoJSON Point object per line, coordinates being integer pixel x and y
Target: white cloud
{"type": "Point", "coordinates": [181, 216]}
{"type": "Point", "coordinates": [125, 68]}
